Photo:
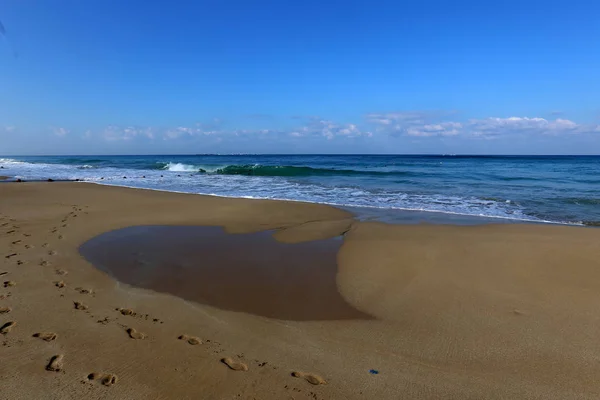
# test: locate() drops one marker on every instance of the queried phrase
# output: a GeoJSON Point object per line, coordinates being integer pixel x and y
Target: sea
{"type": "Point", "coordinates": [392, 188]}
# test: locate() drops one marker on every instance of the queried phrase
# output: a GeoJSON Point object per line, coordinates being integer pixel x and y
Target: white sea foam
{"type": "Point", "coordinates": [10, 161]}
{"type": "Point", "coordinates": [179, 167]}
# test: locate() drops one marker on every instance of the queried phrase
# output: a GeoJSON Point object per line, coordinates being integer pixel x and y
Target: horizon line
{"type": "Point", "coordinates": [304, 154]}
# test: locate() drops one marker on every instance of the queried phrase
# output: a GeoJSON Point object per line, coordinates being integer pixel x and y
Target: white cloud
{"type": "Point", "coordinates": [423, 124]}
{"type": "Point", "coordinates": [398, 117]}
{"type": "Point", "coordinates": [416, 124]}
{"type": "Point", "coordinates": [250, 133]}
{"type": "Point", "coordinates": [314, 128]}
{"type": "Point", "coordinates": [178, 132]}
{"type": "Point", "coordinates": [331, 130]}
{"type": "Point", "coordinates": [402, 118]}
{"type": "Point", "coordinates": [61, 132]}
{"type": "Point", "coordinates": [8, 130]}
{"type": "Point", "coordinates": [116, 133]}
{"type": "Point", "coordinates": [441, 129]}
{"type": "Point", "coordinates": [193, 131]}
{"type": "Point", "coordinates": [524, 125]}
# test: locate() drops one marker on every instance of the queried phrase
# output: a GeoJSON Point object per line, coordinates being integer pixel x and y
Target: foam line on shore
{"type": "Point", "coordinates": [348, 205]}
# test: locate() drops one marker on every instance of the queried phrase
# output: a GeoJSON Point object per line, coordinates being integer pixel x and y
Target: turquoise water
{"type": "Point", "coordinates": [562, 189]}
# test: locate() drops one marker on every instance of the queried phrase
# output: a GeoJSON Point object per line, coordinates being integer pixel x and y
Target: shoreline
{"type": "Point", "coordinates": [517, 189]}
{"type": "Point", "coordinates": [411, 214]}
{"type": "Point", "coordinates": [456, 307]}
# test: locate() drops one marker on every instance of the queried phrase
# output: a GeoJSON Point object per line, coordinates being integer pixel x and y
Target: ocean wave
{"type": "Point", "coordinates": [86, 160]}
{"type": "Point", "coordinates": [516, 178]}
{"type": "Point", "coordinates": [271, 170]}
{"type": "Point", "coordinates": [180, 167]}
{"type": "Point", "coordinates": [583, 201]}
{"type": "Point", "coordinates": [278, 170]}
{"type": "Point", "coordinates": [11, 161]}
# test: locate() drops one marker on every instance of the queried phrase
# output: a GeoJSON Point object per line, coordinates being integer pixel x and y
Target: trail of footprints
{"type": "Point", "coordinates": [56, 363]}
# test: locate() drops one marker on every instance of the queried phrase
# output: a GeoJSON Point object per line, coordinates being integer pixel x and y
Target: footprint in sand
{"type": "Point", "coordinates": [193, 340]}
{"type": "Point", "coordinates": [109, 379]}
{"type": "Point", "coordinates": [44, 263]}
{"type": "Point", "coordinates": [9, 284]}
{"type": "Point", "coordinates": [80, 306]}
{"type": "Point", "coordinates": [5, 310]}
{"type": "Point", "coordinates": [105, 379]}
{"type": "Point", "coordinates": [234, 365]}
{"type": "Point", "coordinates": [52, 253]}
{"type": "Point", "coordinates": [60, 236]}
{"type": "Point", "coordinates": [47, 336]}
{"type": "Point", "coordinates": [126, 311]}
{"type": "Point", "coordinates": [45, 245]}
{"type": "Point", "coordinates": [84, 291]}
{"type": "Point", "coordinates": [56, 363]}
{"type": "Point", "coordinates": [61, 272]}
{"type": "Point", "coordinates": [60, 284]}
{"type": "Point", "coordinates": [7, 327]}
{"type": "Point", "coordinates": [134, 334]}
{"type": "Point", "coordinates": [28, 246]}
{"type": "Point", "coordinates": [310, 378]}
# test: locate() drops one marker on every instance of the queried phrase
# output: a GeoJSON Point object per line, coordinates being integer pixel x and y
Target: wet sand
{"type": "Point", "coordinates": [460, 312]}
{"type": "Point", "coordinates": [251, 273]}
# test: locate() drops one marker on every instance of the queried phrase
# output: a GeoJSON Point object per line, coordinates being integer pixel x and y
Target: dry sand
{"type": "Point", "coordinates": [461, 312]}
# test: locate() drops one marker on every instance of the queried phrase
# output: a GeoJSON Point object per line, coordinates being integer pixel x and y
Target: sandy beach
{"type": "Point", "coordinates": [429, 311]}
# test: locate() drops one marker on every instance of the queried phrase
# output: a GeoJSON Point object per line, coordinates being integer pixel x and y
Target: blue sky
{"type": "Point", "coordinates": [136, 77]}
